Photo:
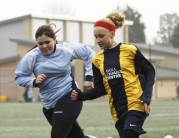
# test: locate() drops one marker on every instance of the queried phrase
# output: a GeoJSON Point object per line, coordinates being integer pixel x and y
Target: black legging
{"type": "Point", "coordinates": [64, 124]}
{"type": "Point", "coordinates": [130, 134]}
{"type": "Point", "coordinates": [68, 128]}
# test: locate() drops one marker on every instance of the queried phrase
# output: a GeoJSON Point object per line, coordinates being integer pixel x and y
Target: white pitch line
{"type": "Point", "coordinates": [24, 119]}
{"type": "Point", "coordinates": [174, 114]}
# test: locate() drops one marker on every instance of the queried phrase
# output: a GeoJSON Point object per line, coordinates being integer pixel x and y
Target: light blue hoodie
{"type": "Point", "coordinates": [57, 68]}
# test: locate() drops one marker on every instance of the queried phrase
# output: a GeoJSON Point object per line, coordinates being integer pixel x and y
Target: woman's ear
{"type": "Point", "coordinates": [113, 34]}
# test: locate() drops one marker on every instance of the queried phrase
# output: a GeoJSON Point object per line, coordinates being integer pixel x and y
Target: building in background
{"type": "Point", "coordinates": [167, 77]}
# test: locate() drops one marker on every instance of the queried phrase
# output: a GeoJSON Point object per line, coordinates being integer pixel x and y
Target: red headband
{"type": "Point", "coordinates": [105, 25]}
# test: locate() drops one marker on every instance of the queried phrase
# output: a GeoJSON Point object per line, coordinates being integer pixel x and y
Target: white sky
{"type": "Point", "coordinates": [96, 9]}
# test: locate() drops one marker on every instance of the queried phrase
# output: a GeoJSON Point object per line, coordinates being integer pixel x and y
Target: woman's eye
{"type": "Point", "coordinates": [40, 43]}
{"type": "Point", "coordinates": [101, 36]}
{"type": "Point", "coordinates": [47, 42]}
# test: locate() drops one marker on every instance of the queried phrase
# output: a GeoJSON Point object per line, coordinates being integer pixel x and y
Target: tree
{"type": "Point", "coordinates": [168, 22]}
{"type": "Point", "coordinates": [136, 31]}
{"type": "Point", "coordinates": [58, 7]}
{"type": "Point", "coordinates": [175, 37]}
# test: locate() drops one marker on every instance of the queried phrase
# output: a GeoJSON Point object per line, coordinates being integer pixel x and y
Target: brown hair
{"type": "Point", "coordinates": [116, 18]}
{"type": "Point", "coordinates": [45, 30]}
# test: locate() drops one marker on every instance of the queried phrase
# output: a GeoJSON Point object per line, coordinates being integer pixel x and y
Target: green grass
{"type": "Point", "coordinates": [25, 120]}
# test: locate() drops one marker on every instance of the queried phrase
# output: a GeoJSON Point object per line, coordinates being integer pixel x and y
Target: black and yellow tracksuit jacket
{"type": "Point", "coordinates": [125, 75]}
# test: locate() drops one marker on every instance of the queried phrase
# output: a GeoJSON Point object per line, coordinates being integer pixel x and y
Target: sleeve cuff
{"type": "Point", "coordinates": [34, 83]}
{"type": "Point", "coordinates": [147, 101]}
{"type": "Point", "coordinates": [88, 78]}
{"type": "Point", "coordinates": [80, 95]}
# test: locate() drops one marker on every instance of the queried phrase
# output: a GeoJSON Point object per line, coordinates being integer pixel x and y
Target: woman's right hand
{"type": "Point", "coordinates": [147, 109]}
{"type": "Point", "coordinates": [74, 95]}
{"type": "Point", "coordinates": [40, 78]}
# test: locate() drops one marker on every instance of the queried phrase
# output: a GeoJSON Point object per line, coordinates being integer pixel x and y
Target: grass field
{"type": "Point", "coordinates": [25, 120]}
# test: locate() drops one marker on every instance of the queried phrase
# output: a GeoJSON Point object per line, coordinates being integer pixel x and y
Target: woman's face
{"type": "Point", "coordinates": [104, 37]}
{"type": "Point", "coordinates": [46, 44]}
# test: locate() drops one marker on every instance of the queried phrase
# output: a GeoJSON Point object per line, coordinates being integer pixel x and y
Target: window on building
{"type": "Point", "coordinates": [88, 37]}
{"type": "Point", "coordinates": [73, 31]}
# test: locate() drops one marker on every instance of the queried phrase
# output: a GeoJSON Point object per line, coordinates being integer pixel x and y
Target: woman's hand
{"type": "Point", "coordinates": [40, 78]}
{"type": "Point", "coordinates": [147, 109]}
{"type": "Point", "coordinates": [74, 95]}
{"type": "Point", "coordinates": [87, 85]}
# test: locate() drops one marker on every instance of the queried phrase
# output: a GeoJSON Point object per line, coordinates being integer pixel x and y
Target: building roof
{"type": "Point", "coordinates": [9, 59]}
{"type": "Point", "coordinates": [167, 73]}
{"type": "Point", "coordinates": [24, 41]}
{"type": "Point", "coordinates": [158, 48]}
{"type": "Point", "coordinates": [54, 16]}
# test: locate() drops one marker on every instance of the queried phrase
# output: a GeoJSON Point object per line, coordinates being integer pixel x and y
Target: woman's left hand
{"type": "Point", "coordinates": [87, 85]}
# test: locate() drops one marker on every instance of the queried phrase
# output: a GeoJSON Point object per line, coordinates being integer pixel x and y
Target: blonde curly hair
{"type": "Point", "coordinates": [116, 18]}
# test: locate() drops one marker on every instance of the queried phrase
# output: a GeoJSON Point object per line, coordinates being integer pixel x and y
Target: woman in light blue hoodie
{"type": "Point", "coordinates": [51, 64]}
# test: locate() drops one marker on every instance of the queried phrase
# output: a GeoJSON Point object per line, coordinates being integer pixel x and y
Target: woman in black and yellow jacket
{"type": "Point", "coordinates": [124, 74]}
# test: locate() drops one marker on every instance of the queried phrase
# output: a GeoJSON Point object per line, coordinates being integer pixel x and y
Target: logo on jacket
{"type": "Point", "coordinates": [113, 73]}
{"type": "Point", "coordinates": [41, 60]}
